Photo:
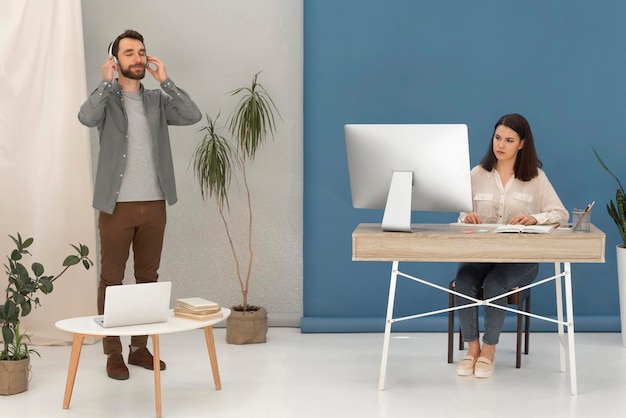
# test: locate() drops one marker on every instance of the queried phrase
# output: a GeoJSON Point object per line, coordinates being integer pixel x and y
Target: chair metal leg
{"type": "Point", "coordinates": [518, 347]}
{"type": "Point", "coordinates": [527, 330]}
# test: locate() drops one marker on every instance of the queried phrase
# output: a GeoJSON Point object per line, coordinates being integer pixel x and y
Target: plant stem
{"type": "Point", "coordinates": [250, 252]}
{"type": "Point", "coordinates": [60, 274]}
{"type": "Point", "coordinates": [244, 290]}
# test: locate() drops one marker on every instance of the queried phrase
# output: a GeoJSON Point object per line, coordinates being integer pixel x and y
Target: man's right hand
{"type": "Point", "coordinates": [109, 68]}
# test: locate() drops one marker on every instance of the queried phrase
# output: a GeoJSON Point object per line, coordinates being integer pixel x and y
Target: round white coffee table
{"type": "Point", "coordinates": [86, 326]}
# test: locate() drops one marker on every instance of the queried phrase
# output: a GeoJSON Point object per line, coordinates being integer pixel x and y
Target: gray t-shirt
{"type": "Point", "coordinates": [140, 181]}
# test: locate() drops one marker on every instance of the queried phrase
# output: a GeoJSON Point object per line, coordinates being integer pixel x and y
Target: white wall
{"type": "Point", "coordinates": [210, 48]}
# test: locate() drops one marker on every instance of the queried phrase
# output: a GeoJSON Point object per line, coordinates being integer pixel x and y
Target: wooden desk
{"type": "Point", "coordinates": [87, 326]}
{"type": "Point", "coordinates": [452, 243]}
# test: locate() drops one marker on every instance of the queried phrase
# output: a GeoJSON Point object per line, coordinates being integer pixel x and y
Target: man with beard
{"type": "Point", "coordinates": [135, 174]}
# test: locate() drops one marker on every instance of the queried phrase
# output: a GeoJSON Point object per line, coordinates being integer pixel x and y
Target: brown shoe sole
{"type": "Point", "coordinates": [146, 366]}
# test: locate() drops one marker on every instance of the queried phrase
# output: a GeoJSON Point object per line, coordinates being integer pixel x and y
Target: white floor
{"type": "Point", "coordinates": [332, 375]}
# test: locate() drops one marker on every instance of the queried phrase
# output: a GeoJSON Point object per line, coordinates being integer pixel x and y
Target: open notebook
{"type": "Point", "coordinates": [134, 304]}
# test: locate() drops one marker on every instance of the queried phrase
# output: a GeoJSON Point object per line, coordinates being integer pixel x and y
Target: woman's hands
{"type": "Point", "coordinates": [520, 219]}
{"type": "Point", "coordinates": [472, 218]}
{"type": "Point", "coordinates": [523, 219]}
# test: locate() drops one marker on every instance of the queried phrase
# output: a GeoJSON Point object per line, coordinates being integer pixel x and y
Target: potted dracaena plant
{"type": "Point", "coordinates": [617, 212]}
{"type": "Point", "coordinates": [217, 160]}
{"type": "Point", "coordinates": [20, 298]}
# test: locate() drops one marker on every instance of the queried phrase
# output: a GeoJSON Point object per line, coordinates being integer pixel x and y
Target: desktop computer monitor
{"type": "Point", "coordinates": [405, 167]}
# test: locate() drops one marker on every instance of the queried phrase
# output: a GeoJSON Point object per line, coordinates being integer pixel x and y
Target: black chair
{"type": "Point", "coordinates": [520, 299]}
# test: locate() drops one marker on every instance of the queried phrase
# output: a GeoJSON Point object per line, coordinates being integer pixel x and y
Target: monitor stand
{"type": "Point", "coordinates": [397, 216]}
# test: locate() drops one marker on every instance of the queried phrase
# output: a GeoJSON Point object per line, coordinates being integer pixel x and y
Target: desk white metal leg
{"type": "Point", "coordinates": [559, 315]}
{"type": "Point", "coordinates": [570, 327]}
{"type": "Point", "coordinates": [388, 322]}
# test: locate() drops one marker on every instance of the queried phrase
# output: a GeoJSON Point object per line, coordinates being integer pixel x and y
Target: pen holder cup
{"type": "Point", "coordinates": [581, 220]}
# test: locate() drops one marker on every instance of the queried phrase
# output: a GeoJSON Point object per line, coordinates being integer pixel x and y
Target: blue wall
{"type": "Point", "coordinates": [562, 64]}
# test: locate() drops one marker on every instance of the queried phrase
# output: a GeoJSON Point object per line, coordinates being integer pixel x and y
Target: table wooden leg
{"type": "Point", "coordinates": [157, 373]}
{"type": "Point", "coordinates": [210, 344]}
{"type": "Point", "coordinates": [77, 345]}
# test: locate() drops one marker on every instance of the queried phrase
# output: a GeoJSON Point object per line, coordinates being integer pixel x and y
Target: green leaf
{"type": "Point", "coordinates": [18, 298]}
{"type": "Point", "coordinates": [37, 269]}
{"type": "Point", "coordinates": [607, 169]}
{"type": "Point", "coordinates": [26, 307]}
{"type": "Point", "coordinates": [16, 255]}
{"type": "Point", "coordinates": [71, 260]}
{"type": "Point", "coordinates": [27, 243]}
{"type": "Point", "coordinates": [10, 310]}
{"type": "Point", "coordinates": [16, 241]}
{"type": "Point", "coordinates": [29, 287]}
{"type": "Point", "coordinates": [21, 272]}
{"type": "Point", "coordinates": [620, 218]}
{"type": "Point", "coordinates": [214, 161]}
{"type": "Point", "coordinates": [7, 334]}
{"type": "Point", "coordinates": [45, 285]}
{"type": "Point", "coordinates": [253, 118]}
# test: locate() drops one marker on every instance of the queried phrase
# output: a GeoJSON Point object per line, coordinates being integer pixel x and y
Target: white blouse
{"type": "Point", "coordinates": [497, 204]}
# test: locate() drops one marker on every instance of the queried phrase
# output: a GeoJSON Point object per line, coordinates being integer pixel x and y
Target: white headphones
{"type": "Point", "coordinates": [111, 52]}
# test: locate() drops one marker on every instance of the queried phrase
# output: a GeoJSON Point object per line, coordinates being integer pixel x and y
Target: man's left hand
{"type": "Point", "coordinates": [157, 69]}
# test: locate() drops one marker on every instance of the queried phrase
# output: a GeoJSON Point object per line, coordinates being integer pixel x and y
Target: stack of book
{"type": "Point", "coordinates": [197, 308]}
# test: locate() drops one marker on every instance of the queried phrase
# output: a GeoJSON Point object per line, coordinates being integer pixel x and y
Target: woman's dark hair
{"type": "Point", "coordinates": [527, 162]}
{"type": "Point", "coordinates": [128, 33]}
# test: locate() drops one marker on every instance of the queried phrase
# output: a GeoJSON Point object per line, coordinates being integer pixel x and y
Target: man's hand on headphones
{"type": "Point", "coordinates": [109, 68]}
{"type": "Point", "coordinates": [156, 68]}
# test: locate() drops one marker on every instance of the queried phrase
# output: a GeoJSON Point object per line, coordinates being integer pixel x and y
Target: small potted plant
{"type": "Point", "coordinates": [216, 160]}
{"type": "Point", "coordinates": [20, 298]}
{"type": "Point", "coordinates": [617, 212]}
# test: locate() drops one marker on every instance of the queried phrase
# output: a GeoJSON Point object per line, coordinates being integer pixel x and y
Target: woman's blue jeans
{"type": "Point", "coordinates": [495, 279]}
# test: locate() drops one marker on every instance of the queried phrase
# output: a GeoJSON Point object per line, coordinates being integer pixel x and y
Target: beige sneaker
{"type": "Point", "coordinates": [484, 367]}
{"type": "Point", "coordinates": [465, 367]}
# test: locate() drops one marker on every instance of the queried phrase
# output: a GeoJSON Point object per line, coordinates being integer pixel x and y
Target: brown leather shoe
{"type": "Point", "coordinates": [142, 357]}
{"type": "Point", "coordinates": [116, 369]}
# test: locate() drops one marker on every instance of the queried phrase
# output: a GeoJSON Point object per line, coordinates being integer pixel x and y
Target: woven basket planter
{"type": "Point", "coordinates": [246, 327]}
{"type": "Point", "coordinates": [14, 376]}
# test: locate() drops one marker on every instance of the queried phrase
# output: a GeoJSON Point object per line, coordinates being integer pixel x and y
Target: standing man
{"type": "Point", "coordinates": [135, 174]}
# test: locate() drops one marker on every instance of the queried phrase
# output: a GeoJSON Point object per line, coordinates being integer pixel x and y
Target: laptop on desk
{"type": "Point", "coordinates": [134, 304]}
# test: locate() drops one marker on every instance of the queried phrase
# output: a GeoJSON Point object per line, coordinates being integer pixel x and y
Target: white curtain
{"type": "Point", "coordinates": [45, 159]}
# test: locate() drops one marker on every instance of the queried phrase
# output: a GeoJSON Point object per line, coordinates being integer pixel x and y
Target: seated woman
{"type": "Point", "coordinates": [508, 186]}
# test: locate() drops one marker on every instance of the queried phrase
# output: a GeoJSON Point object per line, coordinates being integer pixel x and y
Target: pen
{"type": "Point", "coordinates": [589, 206]}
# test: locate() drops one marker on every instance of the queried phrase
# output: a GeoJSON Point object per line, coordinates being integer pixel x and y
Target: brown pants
{"type": "Point", "coordinates": [142, 225]}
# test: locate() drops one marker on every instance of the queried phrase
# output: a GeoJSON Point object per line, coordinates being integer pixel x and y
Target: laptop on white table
{"type": "Point", "coordinates": [134, 304]}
